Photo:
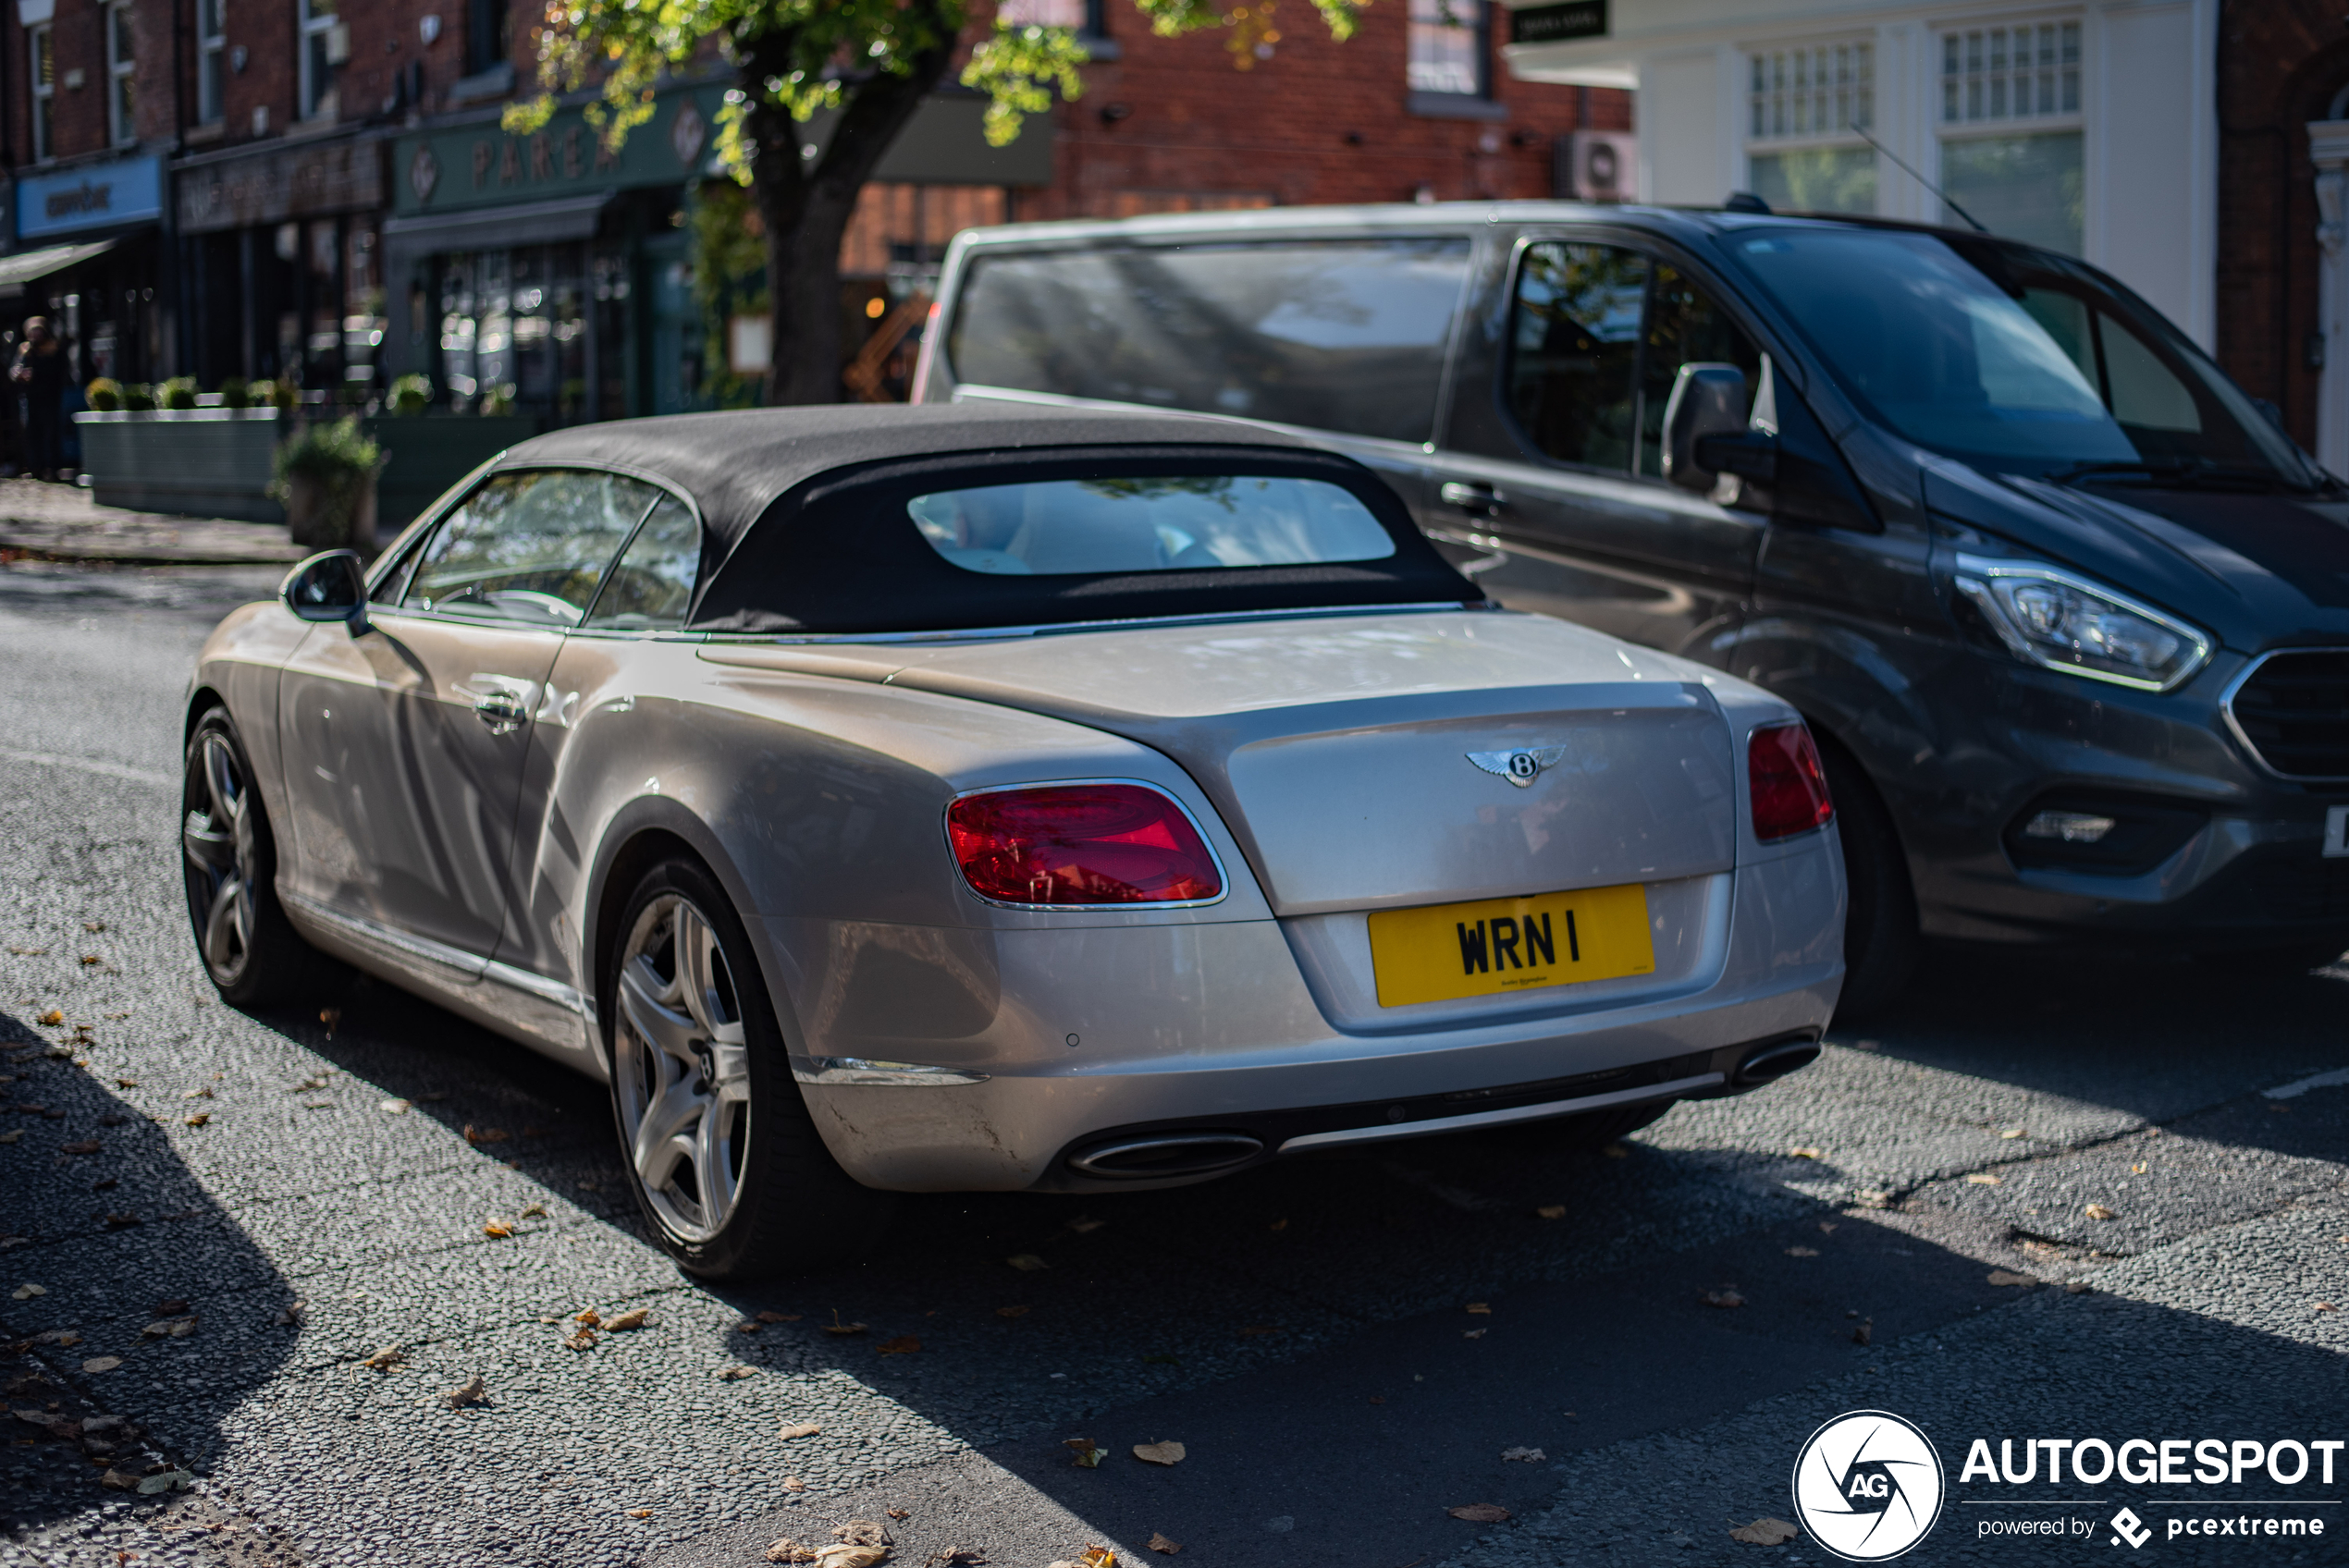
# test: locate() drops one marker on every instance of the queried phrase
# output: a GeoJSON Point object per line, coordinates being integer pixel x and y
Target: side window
{"type": "Point", "coordinates": [1683, 327]}
{"type": "Point", "coordinates": [528, 547]}
{"type": "Point", "coordinates": [1575, 350]}
{"type": "Point", "coordinates": [654, 582]}
{"type": "Point", "coordinates": [2144, 395]}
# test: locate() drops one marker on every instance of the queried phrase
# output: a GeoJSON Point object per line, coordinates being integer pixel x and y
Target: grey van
{"type": "Point", "coordinates": [2067, 611]}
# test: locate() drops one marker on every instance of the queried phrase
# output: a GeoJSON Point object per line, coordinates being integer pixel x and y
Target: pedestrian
{"type": "Point", "coordinates": [42, 371]}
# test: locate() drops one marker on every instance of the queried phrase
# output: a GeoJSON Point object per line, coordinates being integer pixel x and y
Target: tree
{"type": "Point", "coordinates": [870, 62]}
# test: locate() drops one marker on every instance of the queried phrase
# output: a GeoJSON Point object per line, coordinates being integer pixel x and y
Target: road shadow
{"type": "Point", "coordinates": [138, 1315]}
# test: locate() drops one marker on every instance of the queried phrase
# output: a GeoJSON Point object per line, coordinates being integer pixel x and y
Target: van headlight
{"type": "Point", "coordinates": [2058, 622]}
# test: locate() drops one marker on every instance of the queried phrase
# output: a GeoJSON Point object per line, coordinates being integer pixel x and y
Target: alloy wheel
{"type": "Point", "coordinates": [216, 837]}
{"type": "Point", "coordinates": [680, 1068]}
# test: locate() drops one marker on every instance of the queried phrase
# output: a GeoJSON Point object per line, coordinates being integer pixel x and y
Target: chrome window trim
{"type": "Point", "coordinates": [1223, 877]}
{"type": "Point", "coordinates": [1501, 1118]}
{"type": "Point", "coordinates": [1061, 628]}
{"type": "Point", "coordinates": [2234, 726]}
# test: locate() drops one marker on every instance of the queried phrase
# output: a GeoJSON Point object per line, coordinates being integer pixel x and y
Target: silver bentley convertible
{"type": "Point", "coordinates": [999, 798]}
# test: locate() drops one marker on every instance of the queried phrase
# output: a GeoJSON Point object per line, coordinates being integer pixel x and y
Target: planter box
{"type": "Point", "coordinates": [424, 454]}
{"type": "Point", "coordinates": [192, 462]}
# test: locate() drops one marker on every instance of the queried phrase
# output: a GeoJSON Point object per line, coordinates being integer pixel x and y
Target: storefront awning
{"type": "Point", "coordinates": [23, 268]}
{"type": "Point", "coordinates": [541, 223]}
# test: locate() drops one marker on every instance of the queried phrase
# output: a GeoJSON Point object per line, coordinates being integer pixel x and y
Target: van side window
{"type": "Point", "coordinates": [1574, 348]}
{"type": "Point", "coordinates": [1345, 336]}
{"type": "Point", "coordinates": [1683, 327]}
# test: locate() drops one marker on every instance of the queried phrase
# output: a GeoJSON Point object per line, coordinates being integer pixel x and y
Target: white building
{"type": "Point", "coordinates": [2090, 126]}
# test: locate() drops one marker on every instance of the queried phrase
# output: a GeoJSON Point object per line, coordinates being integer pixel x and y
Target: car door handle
{"type": "Point", "coordinates": [500, 702]}
{"type": "Point", "coordinates": [1476, 500]}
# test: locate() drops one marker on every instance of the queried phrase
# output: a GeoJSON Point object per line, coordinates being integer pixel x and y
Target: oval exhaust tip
{"type": "Point", "coordinates": [1776, 1061]}
{"type": "Point", "coordinates": [1178, 1154]}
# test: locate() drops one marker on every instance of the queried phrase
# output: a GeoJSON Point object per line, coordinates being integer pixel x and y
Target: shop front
{"type": "Point", "coordinates": [87, 257]}
{"type": "Point", "coordinates": [283, 246]}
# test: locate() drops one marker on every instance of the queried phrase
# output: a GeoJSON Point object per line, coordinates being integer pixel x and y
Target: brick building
{"type": "Point", "coordinates": [322, 190]}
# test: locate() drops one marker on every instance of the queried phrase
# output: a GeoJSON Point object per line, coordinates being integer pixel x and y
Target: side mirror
{"type": "Point", "coordinates": [1708, 400]}
{"type": "Point", "coordinates": [328, 587]}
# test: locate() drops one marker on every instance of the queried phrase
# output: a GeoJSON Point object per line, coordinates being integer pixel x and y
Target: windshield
{"type": "Point", "coordinates": [1148, 524]}
{"type": "Point", "coordinates": [2039, 369]}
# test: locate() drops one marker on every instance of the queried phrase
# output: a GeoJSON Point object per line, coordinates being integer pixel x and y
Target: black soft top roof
{"type": "Point", "coordinates": [804, 527]}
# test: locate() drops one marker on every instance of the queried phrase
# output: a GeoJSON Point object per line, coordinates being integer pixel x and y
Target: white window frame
{"type": "Point", "coordinates": [211, 50]}
{"type": "Point", "coordinates": [1958, 37]}
{"type": "Point", "coordinates": [1472, 19]}
{"type": "Point", "coordinates": [122, 119]}
{"type": "Point", "coordinates": [1765, 78]}
{"type": "Point", "coordinates": [41, 48]}
{"type": "Point", "coordinates": [312, 26]}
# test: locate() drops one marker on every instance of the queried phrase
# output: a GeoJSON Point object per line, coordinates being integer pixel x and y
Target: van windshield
{"type": "Point", "coordinates": [2014, 358]}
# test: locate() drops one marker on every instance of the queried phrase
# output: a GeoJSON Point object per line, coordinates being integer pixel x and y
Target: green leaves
{"type": "Point", "coordinates": [1017, 67]}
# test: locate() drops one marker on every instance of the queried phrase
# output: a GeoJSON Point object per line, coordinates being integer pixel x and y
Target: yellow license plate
{"type": "Point", "coordinates": [1496, 945]}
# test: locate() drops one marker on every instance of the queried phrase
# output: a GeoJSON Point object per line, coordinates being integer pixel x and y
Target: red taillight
{"type": "Point", "coordinates": [1080, 844]}
{"type": "Point", "coordinates": [1789, 789]}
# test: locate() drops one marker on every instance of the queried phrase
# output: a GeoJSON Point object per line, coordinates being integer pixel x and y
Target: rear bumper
{"type": "Point", "coordinates": [1212, 1031]}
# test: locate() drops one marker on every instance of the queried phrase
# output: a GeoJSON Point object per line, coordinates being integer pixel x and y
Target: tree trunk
{"type": "Point", "coordinates": [805, 206]}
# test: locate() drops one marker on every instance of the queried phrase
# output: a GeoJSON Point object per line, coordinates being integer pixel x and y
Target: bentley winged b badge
{"type": "Point", "coordinates": [1517, 767]}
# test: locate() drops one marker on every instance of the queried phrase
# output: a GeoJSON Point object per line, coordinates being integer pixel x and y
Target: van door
{"type": "Point", "coordinates": [1548, 484]}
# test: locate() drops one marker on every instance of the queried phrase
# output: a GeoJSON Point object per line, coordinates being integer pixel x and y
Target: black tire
{"type": "Point", "coordinates": [1880, 941]}
{"type": "Point", "coordinates": [750, 1158]}
{"type": "Point", "coordinates": [229, 857]}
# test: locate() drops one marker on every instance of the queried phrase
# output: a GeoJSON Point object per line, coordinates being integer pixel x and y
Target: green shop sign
{"type": "Point", "coordinates": [469, 167]}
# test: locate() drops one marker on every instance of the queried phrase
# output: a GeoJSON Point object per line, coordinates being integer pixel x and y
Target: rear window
{"type": "Point", "coordinates": [1171, 524]}
{"type": "Point", "coordinates": [1340, 336]}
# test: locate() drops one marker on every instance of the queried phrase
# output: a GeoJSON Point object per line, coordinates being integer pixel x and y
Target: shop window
{"type": "Point", "coordinates": [485, 35]}
{"type": "Point", "coordinates": [324, 43]}
{"type": "Point", "coordinates": [1448, 52]}
{"type": "Point", "coordinates": [44, 61]}
{"type": "Point", "coordinates": [122, 125]}
{"type": "Point", "coordinates": [212, 49]}
{"type": "Point", "coordinates": [1806, 107]}
{"type": "Point", "coordinates": [2010, 138]}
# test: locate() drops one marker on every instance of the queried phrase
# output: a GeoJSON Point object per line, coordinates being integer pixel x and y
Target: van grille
{"type": "Point", "coordinates": [2293, 712]}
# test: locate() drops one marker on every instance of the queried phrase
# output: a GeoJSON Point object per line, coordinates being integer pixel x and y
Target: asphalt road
{"type": "Point", "coordinates": [1309, 1333]}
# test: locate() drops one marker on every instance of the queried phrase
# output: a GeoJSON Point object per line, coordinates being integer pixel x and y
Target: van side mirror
{"type": "Point", "coordinates": [1705, 430]}
{"type": "Point", "coordinates": [328, 587]}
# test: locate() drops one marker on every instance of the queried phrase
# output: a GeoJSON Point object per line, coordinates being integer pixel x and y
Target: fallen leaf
{"type": "Point", "coordinates": [2077, 1287]}
{"type": "Point", "coordinates": [1982, 1180]}
{"type": "Point", "coordinates": [899, 1514]}
{"type": "Point", "coordinates": [1160, 1543]}
{"type": "Point", "coordinates": [386, 1359]}
{"type": "Point", "coordinates": [11, 1136]}
{"type": "Point", "coordinates": [1011, 1312]}
{"type": "Point", "coordinates": [1479, 1513]}
{"type": "Point", "coordinates": [120, 1480]}
{"type": "Point", "coordinates": [94, 925]}
{"type": "Point", "coordinates": [1277, 1225]}
{"type": "Point", "coordinates": [794, 1483]}
{"type": "Point", "coordinates": [202, 1094]}
{"type": "Point", "coordinates": [394, 1107]}
{"type": "Point", "coordinates": [199, 1119]}
{"type": "Point", "coordinates": [478, 1136]}
{"type": "Point", "coordinates": [2098, 1211]}
{"type": "Point", "coordinates": [1089, 1456]}
{"type": "Point", "coordinates": [638, 1512]}
{"type": "Point", "coordinates": [1803, 1252]}
{"type": "Point", "coordinates": [101, 1364]}
{"type": "Point", "coordinates": [904, 1345]}
{"type": "Point", "coordinates": [1085, 1226]}
{"type": "Point", "coordinates": [798, 1429]}
{"type": "Point", "coordinates": [533, 1211]}
{"type": "Point", "coordinates": [1864, 1333]}
{"type": "Point", "coordinates": [789, 1551]}
{"type": "Point", "coordinates": [956, 1556]}
{"type": "Point", "coordinates": [473, 1391]}
{"type": "Point", "coordinates": [289, 1315]}
{"type": "Point", "coordinates": [635, 1318]}
{"type": "Point", "coordinates": [736, 1374]}
{"type": "Point", "coordinates": [85, 1145]}
{"type": "Point", "coordinates": [1552, 1211]}
{"type": "Point", "coordinates": [52, 1017]}
{"type": "Point", "coordinates": [125, 1083]}
{"type": "Point", "coordinates": [1764, 1532]}
{"type": "Point", "coordinates": [1616, 1151]}
{"type": "Point", "coordinates": [1097, 1557]}
{"type": "Point", "coordinates": [1159, 1452]}
{"type": "Point", "coordinates": [2009, 1277]}
{"type": "Point", "coordinates": [496, 1228]}
{"type": "Point", "coordinates": [1475, 1333]}
{"type": "Point", "coordinates": [1027, 1262]}
{"type": "Point", "coordinates": [64, 1339]}
{"type": "Point", "coordinates": [861, 1532]}
{"type": "Point", "coordinates": [779, 1317]}
{"type": "Point", "coordinates": [1805, 1151]}
{"type": "Point", "coordinates": [2012, 1133]}
{"type": "Point", "coordinates": [2327, 1306]}
{"type": "Point", "coordinates": [1868, 1197]}
{"type": "Point", "coordinates": [583, 1341]}
{"type": "Point", "coordinates": [837, 1327]}
{"type": "Point", "coordinates": [91, 959]}
{"type": "Point", "coordinates": [1523, 1455]}
{"type": "Point", "coordinates": [1723, 1298]}
{"type": "Point", "coordinates": [745, 1328]}
{"type": "Point", "coordinates": [27, 1291]}
{"type": "Point", "coordinates": [1480, 1307]}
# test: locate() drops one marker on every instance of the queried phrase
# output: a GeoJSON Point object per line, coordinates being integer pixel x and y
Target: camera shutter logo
{"type": "Point", "coordinates": [1868, 1486]}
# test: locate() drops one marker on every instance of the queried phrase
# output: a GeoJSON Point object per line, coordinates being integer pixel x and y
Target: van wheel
{"type": "Point", "coordinates": [724, 1159]}
{"type": "Point", "coordinates": [1880, 941]}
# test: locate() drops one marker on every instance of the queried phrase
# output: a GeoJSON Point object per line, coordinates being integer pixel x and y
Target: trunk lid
{"type": "Point", "coordinates": [1363, 761]}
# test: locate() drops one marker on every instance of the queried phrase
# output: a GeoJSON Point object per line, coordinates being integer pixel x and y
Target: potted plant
{"type": "Point", "coordinates": [105, 395]}
{"type": "Point", "coordinates": [138, 398]}
{"type": "Point", "coordinates": [435, 446]}
{"type": "Point", "coordinates": [411, 394]}
{"type": "Point", "coordinates": [179, 392]}
{"type": "Point", "coordinates": [325, 479]}
{"type": "Point", "coordinates": [235, 393]}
